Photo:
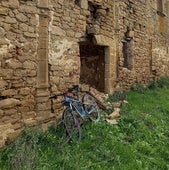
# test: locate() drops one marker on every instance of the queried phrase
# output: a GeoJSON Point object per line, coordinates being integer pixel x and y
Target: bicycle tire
{"type": "Point", "coordinates": [91, 107]}
{"type": "Point", "coordinates": [71, 125]}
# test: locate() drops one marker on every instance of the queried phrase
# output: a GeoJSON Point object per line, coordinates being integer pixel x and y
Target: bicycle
{"type": "Point", "coordinates": [85, 108]}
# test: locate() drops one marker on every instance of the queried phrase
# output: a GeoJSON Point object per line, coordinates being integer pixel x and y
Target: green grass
{"type": "Point", "coordinates": [140, 141]}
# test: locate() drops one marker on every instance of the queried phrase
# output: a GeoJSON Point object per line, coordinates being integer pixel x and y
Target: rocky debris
{"type": "Point", "coordinates": [100, 98]}
{"type": "Point", "coordinates": [112, 121]}
{"type": "Point", "coordinates": [111, 118]}
{"type": "Point", "coordinates": [115, 114]}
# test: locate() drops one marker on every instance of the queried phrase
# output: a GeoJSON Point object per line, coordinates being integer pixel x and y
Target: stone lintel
{"type": "Point", "coordinates": [102, 40]}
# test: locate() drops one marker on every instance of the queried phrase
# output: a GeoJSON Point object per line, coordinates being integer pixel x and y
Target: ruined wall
{"type": "Point", "coordinates": [74, 23]}
{"type": "Point", "coordinates": [18, 66]}
{"type": "Point", "coordinates": [40, 54]}
{"type": "Point", "coordinates": [140, 22]}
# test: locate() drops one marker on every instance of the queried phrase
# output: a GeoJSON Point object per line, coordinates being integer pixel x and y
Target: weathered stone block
{"type": "Point", "coordinates": [13, 135]}
{"type": "Point", "coordinates": [43, 53]}
{"type": "Point", "coordinates": [23, 27]}
{"type": "Point", "coordinates": [21, 17]}
{"type": "Point", "coordinates": [30, 35]}
{"type": "Point", "coordinates": [30, 122]}
{"type": "Point", "coordinates": [84, 4]}
{"type": "Point", "coordinates": [4, 41]}
{"type": "Point", "coordinates": [10, 20]}
{"type": "Point", "coordinates": [9, 92]}
{"type": "Point", "coordinates": [29, 65]}
{"type": "Point", "coordinates": [2, 32]}
{"type": "Point", "coordinates": [31, 73]}
{"type": "Point", "coordinates": [43, 32]}
{"type": "Point", "coordinates": [43, 43]}
{"type": "Point", "coordinates": [9, 103]}
{"type": "Point", "coordinates": [13, 4]}
{"type": "Point", "coordinates": [24, 91]}
{"type": "Point", "coordinates": [14, 64]}
{"type": "Point", "coordinates": [44, 106]}
{"type": "Point", "coordinates": [28, 9]}
{"type": "Point", "coordinates": [24, 109]}
{"type": "Point", "coordinates": [28, 115]}
{"type": "Point", "coordinates": [4, 11]}
{"type": "Point", "coordinates": [1, 113]}
{"type": "Point", "coordinates": [43, 21]}
{"type": "Point", "coordinates": [57, 31]}
{"type": "Point", "coordinates": [10, 112]}
{"type": "Point", "coordinates": [43, 3]}
{"type": "Point", "coordinates": [3, 84]}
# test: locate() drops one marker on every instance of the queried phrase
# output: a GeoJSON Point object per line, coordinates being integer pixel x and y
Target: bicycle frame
{"type": "Point", "coordinates": [74, 105]}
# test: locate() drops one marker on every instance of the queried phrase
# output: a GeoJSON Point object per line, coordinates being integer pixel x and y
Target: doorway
{"type": "Point", "coordinates": [92, 70]}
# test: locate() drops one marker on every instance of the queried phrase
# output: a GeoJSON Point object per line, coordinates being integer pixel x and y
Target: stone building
{"type": "Point", "coordinates": [48, 45]}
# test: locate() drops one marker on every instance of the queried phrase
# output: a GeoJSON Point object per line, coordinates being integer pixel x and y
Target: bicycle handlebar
{"type": "Point", "coordinates": [75, 88]}
{"type": "Point", "coordinates": [55, 96]}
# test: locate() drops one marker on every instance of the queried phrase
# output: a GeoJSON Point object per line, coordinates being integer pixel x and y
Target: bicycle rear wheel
{"type": "Point", "coordinates": [91, 107]}
{"type": "Point", "coordinates": [71, 124]}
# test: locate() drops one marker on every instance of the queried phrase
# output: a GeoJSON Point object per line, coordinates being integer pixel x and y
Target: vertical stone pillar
{"type": "Point", "coordinates": [167, 6]}
{"type": "Point", "coordinates": [110, 61]}
{"type": "Point", "coordinates": [43, 103]}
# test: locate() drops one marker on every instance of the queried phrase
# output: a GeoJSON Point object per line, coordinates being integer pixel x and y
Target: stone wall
{"type": "Point", "coordinates": [148, 30]}
{"type": "Point", "coordinates": [40, 54]}
{"type": "Point", "coordinates": [18, 65]}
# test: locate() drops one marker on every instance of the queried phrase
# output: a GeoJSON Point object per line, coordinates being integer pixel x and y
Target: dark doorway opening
{"type": "Point", "coordinates": [92, 70]}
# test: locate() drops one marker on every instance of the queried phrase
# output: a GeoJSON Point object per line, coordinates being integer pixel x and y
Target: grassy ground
{"type": "Point", "coordinates": [140, 141]}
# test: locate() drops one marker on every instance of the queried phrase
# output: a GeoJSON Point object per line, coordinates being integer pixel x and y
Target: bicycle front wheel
{"type": "Point", "coordinates": [91, 107]}
{"type": "Point", "coordinates": [71, 124]}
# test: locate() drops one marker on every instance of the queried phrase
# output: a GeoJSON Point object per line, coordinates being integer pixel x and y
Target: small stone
{"type": "Point", "coordinates": [113, 122]}
{"type": "Point", "coordinates": [2, 32]}
{"type": "Point", "coordinates": [9, 92]}
{"type": "Point", "coordinates": [13, 63]}
{"type": "Point", "coordinates": [21, 17]}
{"type": "Point", "coordinates": [57, 31]}
{"type": "Point", "coordinates": [23, 27]}
{"type": "Point", "coordinates": [1, 113]}
{"type": "Point", "coordinates": [10, 20]}
{"type": "Point", "coordinates": [4, 11]}
{"type": "Point", "coordinates": [31, 35]}
{"type": "Point", "coordinates": [84, 4]}
{"type": "Point", "coordinates": [4, 41]}
{"type": "Point", "coordinates": [14, 4]}
{"type": "Point", "coordinates": [24, 91]}
{"type": "Point", "coordinates": [115, 114]}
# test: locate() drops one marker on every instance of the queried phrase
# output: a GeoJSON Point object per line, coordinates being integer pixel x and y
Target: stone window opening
{"type": "Point", "coordinates": [92, 67]}
{"type": "Point", "coordinates": [128, 51]}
